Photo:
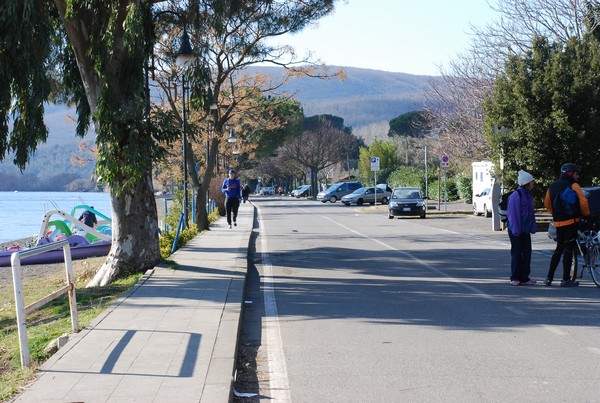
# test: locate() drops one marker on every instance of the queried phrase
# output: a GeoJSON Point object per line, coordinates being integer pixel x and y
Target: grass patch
{"type": "Point", "coordinates": [52, 320]}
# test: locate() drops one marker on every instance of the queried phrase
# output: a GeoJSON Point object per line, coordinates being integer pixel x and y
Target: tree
{"type": "Point", "coordinates": [454, 102]}
{"type": "Point", "coordinates": [411, 124]}
{"type": "Point", "coordinates": [547, 100]}
{"type": "Point", "coordinates": [92, 53]}
{"type": "Point", "coordinates": [387, 152]}
{"type": "Point", "coordinates": [234, 35]}
{"type": "Point", "coordinates": [323, 142]}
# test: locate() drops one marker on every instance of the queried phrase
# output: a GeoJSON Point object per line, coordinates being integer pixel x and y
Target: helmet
{"type": "Point", "coordinates": [569, 168]}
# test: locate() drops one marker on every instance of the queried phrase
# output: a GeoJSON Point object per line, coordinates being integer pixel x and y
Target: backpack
{"type": "Point", "coordinates": [503, 205]}
{"type": "Point", "coordinates": [565, 202]}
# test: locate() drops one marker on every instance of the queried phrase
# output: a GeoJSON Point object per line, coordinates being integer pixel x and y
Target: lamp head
{"type": "Point", "coordinates": [185, 55]}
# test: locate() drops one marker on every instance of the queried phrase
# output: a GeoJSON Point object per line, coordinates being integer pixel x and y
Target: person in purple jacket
{"type": "Point", "coordinates": [233, 195]}
{"type": "Point", "coordinates": [521, 224]}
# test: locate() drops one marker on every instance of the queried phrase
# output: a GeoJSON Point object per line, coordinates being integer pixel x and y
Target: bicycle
{"type": "Point", "coordinates": [588, 247]}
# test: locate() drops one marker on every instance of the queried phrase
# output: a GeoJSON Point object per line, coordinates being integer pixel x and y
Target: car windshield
{"type": "Point", "coordinates": [406, 194]}
{"type": "Point", "coordinates": [359, 191]}
{"type": "Point", "coordinates": [334, 188]}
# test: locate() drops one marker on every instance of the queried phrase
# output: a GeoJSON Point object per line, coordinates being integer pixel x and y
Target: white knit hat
{"type": "Point", "coordinates": [524, 178]}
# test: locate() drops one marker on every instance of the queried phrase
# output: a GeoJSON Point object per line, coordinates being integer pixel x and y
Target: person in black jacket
{"type": "Point", "coordinates": [88, 218]}
{"type": "Point", "coordinates": [565, 221]}
{"type": "Point", "coordinates": [245, 192]}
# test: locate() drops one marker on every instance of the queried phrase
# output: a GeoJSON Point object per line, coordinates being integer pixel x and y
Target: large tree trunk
{"type": "Point", "coordinates": [135, 246]}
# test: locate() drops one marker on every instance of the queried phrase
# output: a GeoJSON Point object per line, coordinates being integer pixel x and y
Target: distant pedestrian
{"type": "Point", "coordinates": [245, 192]}
{"type": "Point", "coordinates": [567, 204]}
{"type": "Point", "coordinates": [233, 195]}
{"type": "Point", "coordinates": [88, 218]}
{"type": "Point", "coordinates": [521, 224]}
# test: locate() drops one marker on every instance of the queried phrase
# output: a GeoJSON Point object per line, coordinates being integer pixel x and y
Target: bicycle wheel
{"type": "Point", "coordinates": [594, 255]}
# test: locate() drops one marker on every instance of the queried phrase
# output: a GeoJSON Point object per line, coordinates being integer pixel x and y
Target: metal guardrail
{"type": "Point", "coordinates": [23, 310]}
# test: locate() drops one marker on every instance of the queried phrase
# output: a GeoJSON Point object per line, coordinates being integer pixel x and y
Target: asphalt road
{"type": "Point", "coordinates": [350, 306]}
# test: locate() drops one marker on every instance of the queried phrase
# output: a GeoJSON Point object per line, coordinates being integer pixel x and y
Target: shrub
{"type": "Point", "coordinates": [451, 190]}
{"type": "Point", "coordinates": [464, 185]}
{"type": "Point", "coordinates": [407, 176]}
{"type": "Point", "coordinates": [412, 176]}
{"type": "Point", "coordinates": [167, 238]}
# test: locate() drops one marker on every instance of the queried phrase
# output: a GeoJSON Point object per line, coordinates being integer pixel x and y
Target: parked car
{"type": "Point", "coordinates": [338, 190]}
{"type": "Point", "coordinates": [406, 201]}
{"type": "Point", "coordinates": [266, 191]}
{"type": "Point", "coordinates": [482, 203]}
{"type": "Point", "coordinates": [367, 195]}
{"type": "Point", "coordinates": [301, 191]}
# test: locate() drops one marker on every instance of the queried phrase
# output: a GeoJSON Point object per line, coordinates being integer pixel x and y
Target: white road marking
{"type": "Point", "coordinates": [278, 377]}
{"type": "Point", "coordinates": [460, 282]}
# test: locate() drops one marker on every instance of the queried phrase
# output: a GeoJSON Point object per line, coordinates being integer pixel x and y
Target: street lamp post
{"type": "Point", "coordinates": [185, 56]}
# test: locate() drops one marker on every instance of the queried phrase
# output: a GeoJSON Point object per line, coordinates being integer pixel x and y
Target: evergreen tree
{"type": "Point", "coordinates": [544, 111]}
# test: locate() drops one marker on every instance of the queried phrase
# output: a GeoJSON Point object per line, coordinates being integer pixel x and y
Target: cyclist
{"type": "Point", "coordinates": [566, 213]}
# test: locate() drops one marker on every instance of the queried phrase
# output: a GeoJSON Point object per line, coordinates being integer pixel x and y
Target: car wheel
{"type": "Point", "coordinates": [391, 217]}
{"type": "Point", "coordinates": [423, 215]}
{"type": "Point", "coordinates": [323, 201]}
{"type": "Point", "coordinates": [333, 199]}
{"type": "Point", "coordinates": [384, 200]}
{"type": "Point", "coordinates": [475, 209]}
{"type": "Point", "coordinates": [486, 212]}
{"type": "Point", "coordinates": [359, 202]}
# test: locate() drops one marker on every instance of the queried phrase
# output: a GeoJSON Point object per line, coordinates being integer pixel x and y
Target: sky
{"type": "Point", "coordinates": [405, 36]}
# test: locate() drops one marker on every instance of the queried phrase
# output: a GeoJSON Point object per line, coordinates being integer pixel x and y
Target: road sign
{"type": "Point", "coordinates": [445, 161]}
{"type": "Point", "coordinates": [374, 164]}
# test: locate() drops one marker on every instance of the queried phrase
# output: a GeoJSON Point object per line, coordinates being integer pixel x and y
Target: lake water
{"type": "Point", "coordinates": [21, 213]}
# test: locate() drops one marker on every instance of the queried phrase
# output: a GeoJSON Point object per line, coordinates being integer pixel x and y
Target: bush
{"type": "Point", "coordinates": [407, 176]}
{"type": "Point", "coordinates": [172, 216]}
{"type": "Point", "coordinates": [413, 177]}
{"type": "Point", "coordinates": [464, 185]}
{"type": "Point", "coordinates": [167, 238]}
{"type": "Point", "coordinates": [451, 190]}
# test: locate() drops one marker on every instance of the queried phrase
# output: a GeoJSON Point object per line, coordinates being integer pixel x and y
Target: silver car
{"type": "Point", "coordinates": [301, 191]}
{"type": "Point", "coordinates": [338, 190]}
{"type": "Point", "coordinates": [367, 195]}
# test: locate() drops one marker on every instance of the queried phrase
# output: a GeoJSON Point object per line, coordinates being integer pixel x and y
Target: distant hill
{"type": "Point", "coordinates": [366, 99]}
{"type": "Point", "coordinates": [363, 98]}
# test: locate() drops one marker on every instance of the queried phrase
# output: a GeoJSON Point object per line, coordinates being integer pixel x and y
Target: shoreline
{"type": "Point", "coordinates": [23, 243]}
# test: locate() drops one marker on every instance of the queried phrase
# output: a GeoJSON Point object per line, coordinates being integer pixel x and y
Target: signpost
{"type": "Point", "coordinates": [445, 162]}
{"type": "Point", "coordinates": [375, 168]}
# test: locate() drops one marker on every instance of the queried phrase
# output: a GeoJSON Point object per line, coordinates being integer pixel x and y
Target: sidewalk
{"type": "Point", "coordinates": [173, 338]}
